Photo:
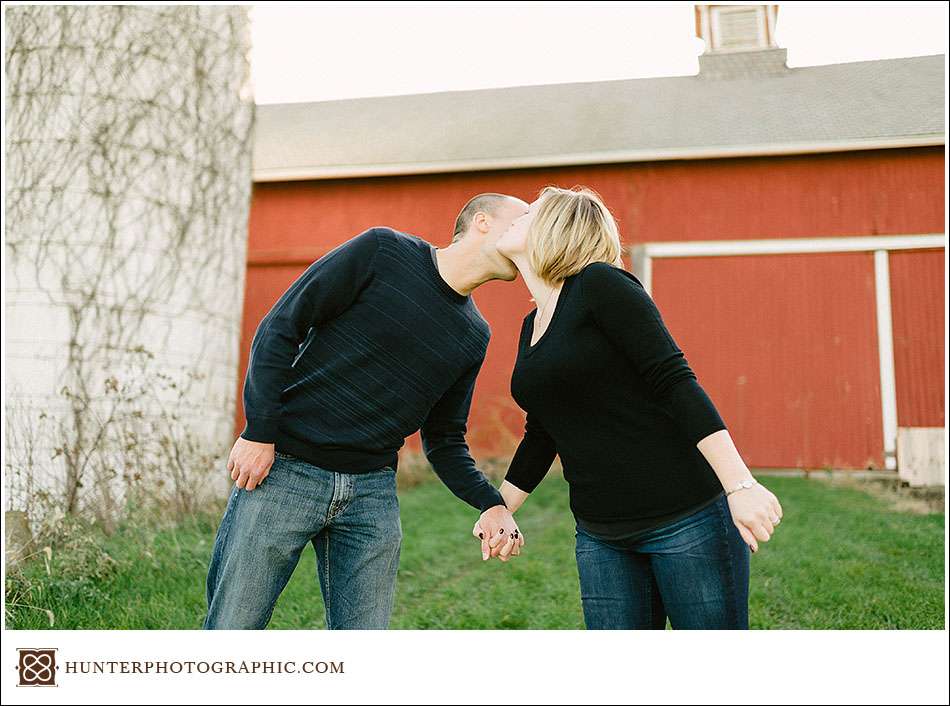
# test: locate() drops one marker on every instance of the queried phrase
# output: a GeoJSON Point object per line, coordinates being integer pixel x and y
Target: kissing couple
{"type": "Point", "coordinates": [381, 338]}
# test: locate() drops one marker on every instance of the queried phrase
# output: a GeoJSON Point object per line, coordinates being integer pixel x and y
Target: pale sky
{"type": "Point", "coordinates": [330, 51]}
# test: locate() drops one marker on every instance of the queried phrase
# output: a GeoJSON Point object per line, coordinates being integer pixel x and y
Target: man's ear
{"type": "Point", "coordinates": [481, 221]}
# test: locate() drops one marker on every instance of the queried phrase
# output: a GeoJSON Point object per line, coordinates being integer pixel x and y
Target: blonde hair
{"type": "Point", "coordinates": [571, 229]}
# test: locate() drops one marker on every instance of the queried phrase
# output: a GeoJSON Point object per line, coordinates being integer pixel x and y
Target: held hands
{"type": "Point", "coordinates": [755, 512]}
{"type": "Point", "coordinates": [250, 462]}
{"type": "Point", "coordinates": [499, 533]}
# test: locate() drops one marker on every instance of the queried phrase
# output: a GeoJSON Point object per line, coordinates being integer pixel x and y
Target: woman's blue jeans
{"type": "Point", "coordinates": [694, 571]}
{"type": "Point", "coordinates": [353, 523]}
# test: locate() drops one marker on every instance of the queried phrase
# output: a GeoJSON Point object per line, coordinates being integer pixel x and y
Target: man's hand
{"type": "Point", "coordinates": [499, 533]}
{"type": "Point", "coordinates": [250, 462]}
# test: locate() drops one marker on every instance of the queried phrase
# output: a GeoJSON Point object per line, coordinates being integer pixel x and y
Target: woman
{"type": "Point", "coordinates": [665, 509]}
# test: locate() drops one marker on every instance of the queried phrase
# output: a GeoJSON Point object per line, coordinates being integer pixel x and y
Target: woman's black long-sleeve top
{"type": "Point", "coordinates": [607, 388]}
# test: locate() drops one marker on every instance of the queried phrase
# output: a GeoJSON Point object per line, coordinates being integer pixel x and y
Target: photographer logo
{"type": "Point", "coordinates": [37, 667]}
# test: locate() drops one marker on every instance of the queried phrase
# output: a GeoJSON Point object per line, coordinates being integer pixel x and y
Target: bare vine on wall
{"type": "Point", "coordinates": [128, 187]}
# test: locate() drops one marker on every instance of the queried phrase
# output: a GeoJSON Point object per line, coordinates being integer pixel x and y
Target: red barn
{"type": "Point", "coordinates": [789, 223]}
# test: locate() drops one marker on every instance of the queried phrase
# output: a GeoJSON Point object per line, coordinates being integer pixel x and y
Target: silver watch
{"type": "Point", "coordinates": [742, 485]}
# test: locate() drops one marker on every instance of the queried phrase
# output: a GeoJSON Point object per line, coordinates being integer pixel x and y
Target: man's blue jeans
{"type": "Point", "coordinates": [353, 522]}
{"type": "Point", "coordinates": [694, 571]}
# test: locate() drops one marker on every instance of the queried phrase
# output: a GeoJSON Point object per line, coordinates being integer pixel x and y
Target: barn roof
{"type": "Point", "coordinates": [719, 112]}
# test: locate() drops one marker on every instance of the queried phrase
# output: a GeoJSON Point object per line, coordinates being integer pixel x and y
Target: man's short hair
{"type": "Point", "coordinates": [488, 203]}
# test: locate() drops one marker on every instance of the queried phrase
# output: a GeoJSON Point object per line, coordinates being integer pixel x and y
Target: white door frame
{"type": "Point", "coordinates": [642, 260]}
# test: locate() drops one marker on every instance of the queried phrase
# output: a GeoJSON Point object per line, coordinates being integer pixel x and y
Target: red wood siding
{"type": "Point", "coordinates": [856, 193]}
{"type": "Point", "coordinates": [920, 334]}
{"type": "Point", "coordinates": [793, 369]}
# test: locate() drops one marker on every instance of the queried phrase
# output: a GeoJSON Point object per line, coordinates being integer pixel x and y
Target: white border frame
{"type": "Point", "coordinates": [642, 259]}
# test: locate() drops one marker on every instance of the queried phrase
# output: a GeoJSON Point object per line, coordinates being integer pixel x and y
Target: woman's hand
{"type": "Point", "coordinates": [500, 546]}
{"type": "Point", "coordinates": [755, 512]}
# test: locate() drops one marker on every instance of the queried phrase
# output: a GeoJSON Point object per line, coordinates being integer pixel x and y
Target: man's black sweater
{"type": "Point", "coordinates": [607, 388]}
{"type": "Point", "coordinates": [369, 345]}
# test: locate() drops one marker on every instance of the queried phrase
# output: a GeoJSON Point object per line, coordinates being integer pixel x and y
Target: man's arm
{"type": "Point", "coordinates": [323, 291]}
{"type": "Point", "coordinates": [443, 440]}
{"type": "Point", "coordinates": [529, 465]}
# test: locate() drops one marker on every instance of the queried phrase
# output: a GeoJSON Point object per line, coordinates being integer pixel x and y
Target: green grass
{"type": "Point", "coordinates": [841, 559]}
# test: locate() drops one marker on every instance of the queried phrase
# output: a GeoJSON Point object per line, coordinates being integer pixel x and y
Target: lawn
{"type": "Point", "coordinates": [843, 558]}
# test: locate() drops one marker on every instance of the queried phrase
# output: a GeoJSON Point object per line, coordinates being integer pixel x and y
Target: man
{"type": "Point", "coordinates": [376, 340]}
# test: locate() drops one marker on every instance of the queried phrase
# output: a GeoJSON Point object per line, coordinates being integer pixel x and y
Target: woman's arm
{"type": "Point", "coordinates": [513, 495]}
{"type": "Point", "coordinates": [532, 460]}
{"type": "Point", "coordinates": [529, 465]}
{"type": "Point", "coordinates": [630, 319]}
{"type": "Point", "coordinates": [725, 459]}
{"type": "Point", "coordinates": [755, 510]}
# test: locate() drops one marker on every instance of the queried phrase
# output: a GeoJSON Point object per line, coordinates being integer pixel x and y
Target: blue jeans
{"type": "Point", "coordinates": [353, 523]}
{"type": "Point", "coordinates": [694, 570]}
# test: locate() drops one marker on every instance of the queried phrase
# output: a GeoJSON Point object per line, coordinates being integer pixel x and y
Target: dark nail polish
{"type": "Point", "coordinates": [501, 531]}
